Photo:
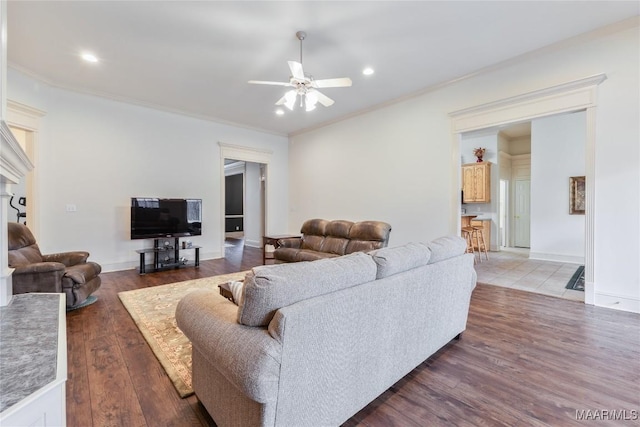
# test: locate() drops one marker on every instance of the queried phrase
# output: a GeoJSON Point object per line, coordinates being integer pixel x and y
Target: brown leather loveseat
{"type": "Point", "coordinates": [326, 239]}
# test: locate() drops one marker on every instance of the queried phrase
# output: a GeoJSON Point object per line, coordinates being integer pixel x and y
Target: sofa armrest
{"type": "Point", "coordinates": [38, 277]}
{"type": "Point", "coordinates": [67, 258]}
{"type": "Point", "coordinates": [248, 357]}
{"type": "Point", "coordinates": [290, 242]}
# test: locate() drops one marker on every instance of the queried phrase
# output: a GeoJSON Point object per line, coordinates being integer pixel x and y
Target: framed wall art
{"type": "Point", "coordinates": [576, 195]}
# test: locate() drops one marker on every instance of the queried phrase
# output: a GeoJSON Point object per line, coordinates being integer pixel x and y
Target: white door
{"type": "Point", "coordinates": [503, 222]}
{"type": "Point", "coordinates": [522, 214]}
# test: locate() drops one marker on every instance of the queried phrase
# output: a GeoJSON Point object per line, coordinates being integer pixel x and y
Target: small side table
{"type": "Point", "coordinates": [273, 240]}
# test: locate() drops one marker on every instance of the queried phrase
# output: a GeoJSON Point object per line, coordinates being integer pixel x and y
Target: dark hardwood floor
{"type": "Point", "coordinates": [525, 360]}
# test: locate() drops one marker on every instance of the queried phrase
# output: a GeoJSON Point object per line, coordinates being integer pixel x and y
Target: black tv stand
{"type": "Point", "coordinates": [166, 256]}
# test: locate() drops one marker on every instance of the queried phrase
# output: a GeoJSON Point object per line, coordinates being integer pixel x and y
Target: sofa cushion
{"type": "Point", "coordinates": [338, 228]}
{"type": "Point", "coordinates": [446, 247]}
{"type": "Point", "coordinates": [286, 254]}
{"type": "Point", "coordinates": [308, 255]}
{"type": "Point", "coordinates": [312, 242]}
{"type": "Point", "coordinates": [334, 245]}
{"type": "Point", "coordinates": [82, 273]}
{"type": "Point", "coordinates": [314, 227]}
{"type": "Point", "coordinates": [24, 256]}
{"type": "Point", "coordinates": [268, 288]}
{"type": "Point", "coordinates": [368, 235]}
{"type": "Point", "coordinates": [19, 236]}
{"type": "Point", "coordinates": [370, 230]}
{"type": "Point", "coordinates": [395, 260]}
{"type": "Point", "coordinates": [313, 232]}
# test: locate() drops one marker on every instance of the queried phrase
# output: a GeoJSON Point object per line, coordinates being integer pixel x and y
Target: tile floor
{"type": "Point", "coordinates": [512, 268]}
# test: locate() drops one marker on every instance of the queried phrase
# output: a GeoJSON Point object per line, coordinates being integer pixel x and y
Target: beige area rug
{"type": "Point", "coordinates": [153, 310]}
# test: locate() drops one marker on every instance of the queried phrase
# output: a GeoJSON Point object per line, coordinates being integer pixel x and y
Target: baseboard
{"type": "Point", "coordinates": [119, 266]}
{"type": "Point", "coordinates": [130, 265]}
{"type": "Point", "coordinates": [617, 302]}
{"type": "Point", "coordinates": [568, 259]}
{"type": "Point", "coordinates": [252, 243]}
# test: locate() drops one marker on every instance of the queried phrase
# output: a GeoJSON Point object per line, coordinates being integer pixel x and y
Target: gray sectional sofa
{"type": "Point", "coordinates": [312, 343]}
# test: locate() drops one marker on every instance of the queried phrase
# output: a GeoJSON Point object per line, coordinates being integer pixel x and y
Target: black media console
{"type": "Point", "coordinates": [166, 256]}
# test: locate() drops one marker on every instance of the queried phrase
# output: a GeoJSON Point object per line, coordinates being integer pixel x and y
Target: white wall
{"type": "Point", "coordinates": [396, 163]}
{"type": "Point", "coordinates": [378, 166]}
{"type": "Point", "coordinates": [558, 145]}
{"type": "Point", "coordinates": [97, 153]}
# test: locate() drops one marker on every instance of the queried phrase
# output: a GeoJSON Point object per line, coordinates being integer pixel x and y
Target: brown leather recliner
{"type": "Point", "coordinates": [67, 272]}
{"type": "Point", "coordinates": [326, 239]}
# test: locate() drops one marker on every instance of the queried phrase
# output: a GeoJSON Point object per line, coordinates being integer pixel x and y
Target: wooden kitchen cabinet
{"type": "Point", "coordinates": [476, 182]}
{"type": "Point", "coordinates": [485, 230]}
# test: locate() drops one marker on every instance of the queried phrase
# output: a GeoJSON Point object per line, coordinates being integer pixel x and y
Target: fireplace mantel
{"type": "Point", "coordinates": [14, 165]}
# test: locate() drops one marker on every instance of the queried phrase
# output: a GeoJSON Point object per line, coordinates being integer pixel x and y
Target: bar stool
{"type": "Point", "coordinates": [468, 235]}
{"type": "Point", "coordinates": [482, 246]}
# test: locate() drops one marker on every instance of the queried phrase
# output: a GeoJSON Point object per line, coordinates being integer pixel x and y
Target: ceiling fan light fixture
{"type": "Point", "coordinates": [290, 99]}
{"type": "Point", "coordinates": [89, 57]}
{"type": "Point", "coordinates": [305, 85]}
{"type": "Point", "coordinates": [310, 100]}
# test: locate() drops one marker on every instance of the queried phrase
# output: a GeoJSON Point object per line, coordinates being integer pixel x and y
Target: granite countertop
{"type": "Point", "coordinates": [29, 345]}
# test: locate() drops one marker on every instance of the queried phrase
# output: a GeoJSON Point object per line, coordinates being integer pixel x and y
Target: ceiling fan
{"type": "Point", "coordinates": [305, 85]}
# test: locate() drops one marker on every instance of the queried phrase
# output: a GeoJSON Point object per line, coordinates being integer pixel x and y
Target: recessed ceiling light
{"type": "Point", "coordinates": [280, 112]}
{"type": "Point", "coordinates": [89, 57]}
{"type": "Point", "coordinates": [367, 71]}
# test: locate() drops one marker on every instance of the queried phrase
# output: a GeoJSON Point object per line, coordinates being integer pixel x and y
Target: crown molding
{"type": "Point", "coordinates": [139, 103]}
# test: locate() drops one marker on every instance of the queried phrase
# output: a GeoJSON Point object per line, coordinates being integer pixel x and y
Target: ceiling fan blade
{"type": "Point", "coordinates": [260, 82]}
{"type": "Point", "coordinates": [296, 70]}
{"type": "Point", "coordinates": [324, 99]}
{"type": "Point", "coordinates": [339, 82]}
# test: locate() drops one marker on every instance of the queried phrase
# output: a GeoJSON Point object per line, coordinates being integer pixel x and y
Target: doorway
{"type": "Point", "coordinates": [244, 203]}
{"type": "Point", "coordinates": [255, 195]}
{"type": "Point", "coordinates": [24, 122]}
{"type": "Point", "coordinates": [572, 96]}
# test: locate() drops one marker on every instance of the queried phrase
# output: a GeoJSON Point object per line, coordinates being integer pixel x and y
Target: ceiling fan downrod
{"type": "Point", "coordinates": [301, 35]}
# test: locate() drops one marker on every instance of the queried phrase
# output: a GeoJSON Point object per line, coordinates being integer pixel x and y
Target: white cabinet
{"type": "Point", "coordinates": [33, 357]}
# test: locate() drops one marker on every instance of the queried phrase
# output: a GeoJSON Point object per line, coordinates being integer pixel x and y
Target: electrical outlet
{"type": "Point", "coordinates": [71, 208]}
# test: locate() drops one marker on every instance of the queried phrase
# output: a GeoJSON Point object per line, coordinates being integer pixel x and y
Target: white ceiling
{"type": "Point", "coordinates": [195, 57]}
{"type": "Point", "coordinates": [518, 130]}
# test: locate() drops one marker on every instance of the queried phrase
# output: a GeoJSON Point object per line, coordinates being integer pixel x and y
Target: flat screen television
{"type": "Point", "coordinates": [153, 217]}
